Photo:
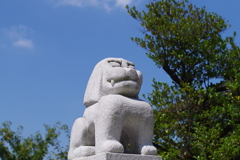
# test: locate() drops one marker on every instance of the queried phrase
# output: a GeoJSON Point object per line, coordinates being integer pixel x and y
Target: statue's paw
{"type": "Point", "coordinates": [82, 151]}
{"type": "Point", "coordinates": [149, 150]}
{"type": "Point", "coordinates": [112, 146]}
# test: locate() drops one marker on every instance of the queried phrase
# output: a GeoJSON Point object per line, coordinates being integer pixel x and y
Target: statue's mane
{"type": "Point", "coordinates": [93, 90]}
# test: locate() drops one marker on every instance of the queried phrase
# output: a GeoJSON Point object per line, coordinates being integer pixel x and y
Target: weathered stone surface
{"type": "Point", "coordinates": [115, 119]}
{"type": "Point", "coordinates": [118, 156]}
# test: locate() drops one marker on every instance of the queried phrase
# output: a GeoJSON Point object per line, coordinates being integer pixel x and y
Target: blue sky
{"type": "Point", "coordinates": [48, 49]}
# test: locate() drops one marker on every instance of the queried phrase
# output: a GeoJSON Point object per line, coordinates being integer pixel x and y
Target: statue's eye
{"type": "Point", "coordinates": [131, 66]}
{"type": "Point", "coordinates": [115, 64]}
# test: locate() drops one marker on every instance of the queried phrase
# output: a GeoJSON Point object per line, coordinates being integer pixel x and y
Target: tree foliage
{"type": "Point", "coordinates": [35, 147]}
{"type": "Point", "coordinates": [196, 116]}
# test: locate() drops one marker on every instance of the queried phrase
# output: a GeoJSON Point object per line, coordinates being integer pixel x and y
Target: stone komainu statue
{"type": "Point", "coordinates": [115, 119]}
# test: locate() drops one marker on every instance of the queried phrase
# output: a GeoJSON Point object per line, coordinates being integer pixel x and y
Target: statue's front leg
{"type": "Point", "coordinates": [108, 125]}
{"type": "Point", "coordinates": [145, 131]}
{"type": "Point", "coordinates": [140, 130]}
{"type": "Point", "coordinates": [145, 140]}
{"type": "Point", "coordinates": [140, 136]}
{"type": "Point", "coordinates": [82, 140]}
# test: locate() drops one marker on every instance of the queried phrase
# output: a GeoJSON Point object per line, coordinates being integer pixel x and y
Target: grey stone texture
{"type": "Point", "coordinates": [120, 156]}
{"type": "Point", "coordinates": [115, 119]}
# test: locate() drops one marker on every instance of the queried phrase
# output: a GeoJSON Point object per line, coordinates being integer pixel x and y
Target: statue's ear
{"type": "Point", "coordinates": [93, 91]}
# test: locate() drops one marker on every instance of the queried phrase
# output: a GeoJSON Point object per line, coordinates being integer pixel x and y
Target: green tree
{"type": "Point", "coordinates": [35, 147]}
{"type": "Point", "coordinates": [197, 116]}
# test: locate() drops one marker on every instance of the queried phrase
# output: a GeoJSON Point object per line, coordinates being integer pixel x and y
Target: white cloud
{"type": "Point", "coordinates": [17, 32]}
{"type": "Point", "coordinates": [72, 3]}
{"type": "Point", "coordinates": [122, 3]}
{"type": "Point", "coordinates": [108, 5]}
{"type": "Point", "coordinates": [79, 3]}
{"type": "Point", "coordinates": [18, 36]}
{"type": "Point", "coordinates": [25, 43]}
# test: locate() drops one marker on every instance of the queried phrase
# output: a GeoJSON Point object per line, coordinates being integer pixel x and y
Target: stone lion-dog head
{"type": "Point", "coordinates": [113, 76]}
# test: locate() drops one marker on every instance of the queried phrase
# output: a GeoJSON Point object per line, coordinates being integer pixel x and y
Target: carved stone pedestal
{"type": "Point", "coordinates": [118, 156]}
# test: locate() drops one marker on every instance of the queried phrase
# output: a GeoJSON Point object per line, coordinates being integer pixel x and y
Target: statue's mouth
{"type": "Point", "coordinates": [112, 81]}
